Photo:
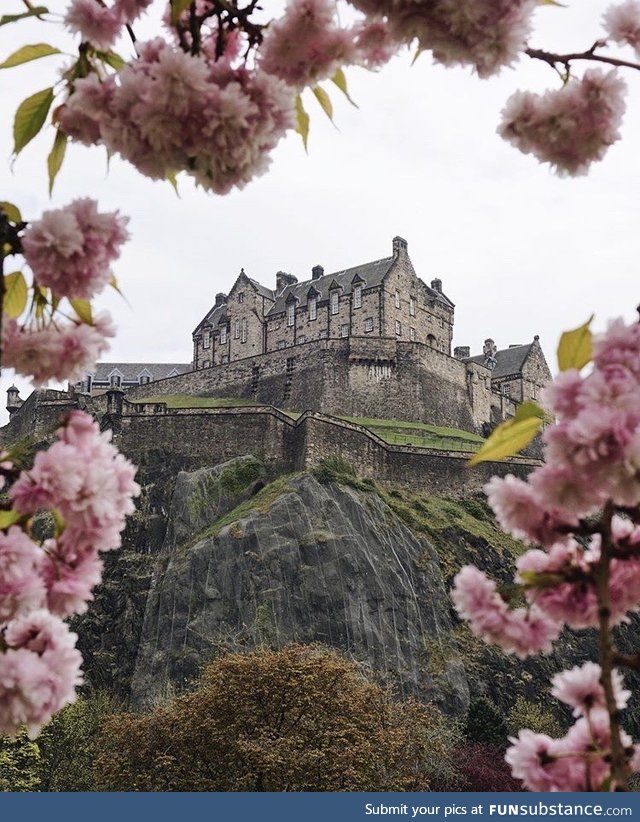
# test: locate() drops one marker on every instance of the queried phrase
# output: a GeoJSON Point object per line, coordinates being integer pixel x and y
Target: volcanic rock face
{"type": "Point", "coordinates": [301, 561]}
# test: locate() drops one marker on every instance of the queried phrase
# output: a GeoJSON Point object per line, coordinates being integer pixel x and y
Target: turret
{"type": "Point", "coordinates": [13, 400]}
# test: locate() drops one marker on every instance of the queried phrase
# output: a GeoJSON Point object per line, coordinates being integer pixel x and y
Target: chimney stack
{"type": "Point", "coordinates": [316, 272]}
{"type": "Point", "coordinates": [283, 280]}
{"type": "Point", "coordinates": [400, 245]}
{"type": "Point", "coordinates": [437, 285]}
{"type": "Point", "coordinates": [221, 298]}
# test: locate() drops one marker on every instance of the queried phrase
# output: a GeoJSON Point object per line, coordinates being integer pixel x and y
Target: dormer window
{"type": "Point", "coordinates": [206, 339]}
{"type": "Point", "coordinates": [335, 302]}
{"type": "Point", "coordinates": [313, 308]}
{"type": "Point", "coordinates": [115, 381]}
{"type": "Point", "coordinates": [144, 379]}
{"type": "Point", "coordinates": [291, 314]}
{"type": "Point", "coordinates": [223, 335]}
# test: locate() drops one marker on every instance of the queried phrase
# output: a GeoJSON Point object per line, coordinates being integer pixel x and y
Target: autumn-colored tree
{"type": "Point", "coordinates": [297, 719]}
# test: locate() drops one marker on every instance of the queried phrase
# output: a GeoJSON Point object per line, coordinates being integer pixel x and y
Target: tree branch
{"type": "Point", "coordinates": [553, 59]}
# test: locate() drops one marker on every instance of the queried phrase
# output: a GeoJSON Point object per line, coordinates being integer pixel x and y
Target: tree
{"type": "Point", "coordinates": [298, 719]}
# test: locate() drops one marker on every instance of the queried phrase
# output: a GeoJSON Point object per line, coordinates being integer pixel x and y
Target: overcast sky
{"type": "Point", "coordinates": [520, 251]}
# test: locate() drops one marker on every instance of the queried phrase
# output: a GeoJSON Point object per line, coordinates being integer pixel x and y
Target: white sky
{"type": "Point", "coordinates": [520, 252]}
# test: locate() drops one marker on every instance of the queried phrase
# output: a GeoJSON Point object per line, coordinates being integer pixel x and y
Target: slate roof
{"type": "Point", "coordinates": [269, 293]}
{"type": "Point", "coordinates": [508, 360]}
{"type": "Point", "coordinates": [371, 273]}
{"type": "Point", "coordinates": [131, 370]}
{"type": "Point", "coordinates": [213, 317]}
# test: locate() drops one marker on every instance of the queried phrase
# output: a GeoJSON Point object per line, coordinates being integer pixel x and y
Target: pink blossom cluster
{"type": "Point", "coordinates": [306, 45]}
{"type": "Point", "coordinates": [168, 111]}
{"type": "Point", "coordinates": [622, 24]}
{"type": "Point", "coordinates": [70, 249]}
{"type": "Point", "coordinates": [100, 24]}
{"type": "Point", "coordinates": [91, 487]}
{"type": "Point", "coordinates": [580, 761]}
{"type": "Point", "coordinates": [522, 631]}
{"type": "Point", "coordinates": [486, 34]}
{"type": "Point", "coordinates": [64, 351]}
{"type": "Point", "coordinates": [570, 127]}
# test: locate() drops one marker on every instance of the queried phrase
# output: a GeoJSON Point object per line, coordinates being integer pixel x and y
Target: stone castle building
{"type": "Point", "coordinates": [373, 340]}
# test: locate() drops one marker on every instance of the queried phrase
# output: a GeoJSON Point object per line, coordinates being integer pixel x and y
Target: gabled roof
{"type": "Point", "coordinates": [372, 274]}
{"type": "Point", "coordinates": [269, 293]}
{"type": "Point", "coordinates": [439, 296]}
{"type": "Point", "coordinates": [508, 360]}
{"type": "Point", "coordinates": [130, 371]}
{"type": "Point", "coordinates": [213, 317]}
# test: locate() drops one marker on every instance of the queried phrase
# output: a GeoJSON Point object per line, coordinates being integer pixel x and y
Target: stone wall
{"type": "Point", "coordinates": [41, 413]}
{"type": "Point", "coordinates": [358, 376]}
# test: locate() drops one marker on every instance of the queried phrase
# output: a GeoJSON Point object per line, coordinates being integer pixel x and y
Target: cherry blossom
{"type": "Point", "coordinates": [622, 23]}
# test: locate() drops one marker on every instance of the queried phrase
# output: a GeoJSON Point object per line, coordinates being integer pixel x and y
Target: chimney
{"type": "Point", "coordinates": [462, 352]}
{"type": "Point", "coordinates": [221, 299]}
{"type": "Point", "coordinates": [316, 272]}
{"type": "Point", "coordinates": [400, 245]}
{"type": "Point", "coordinates": [283, 280]}
{"type": "Point", "coordinates": [437, 285]}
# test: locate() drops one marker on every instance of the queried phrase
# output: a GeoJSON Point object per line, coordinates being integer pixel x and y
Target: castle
{"type": "Point", "coordinates": [373, 340]}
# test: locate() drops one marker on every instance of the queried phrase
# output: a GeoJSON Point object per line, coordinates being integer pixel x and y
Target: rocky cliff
{"type": "Point", "coordinates": [230, 556]}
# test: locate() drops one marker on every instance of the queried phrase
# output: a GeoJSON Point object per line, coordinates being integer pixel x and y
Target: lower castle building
{"type": "Point", "coordinates": [373, 340]}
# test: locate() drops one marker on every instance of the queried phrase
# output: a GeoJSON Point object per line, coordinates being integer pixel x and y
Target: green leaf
{"type": "Point", "coordinates": [15, 294]}
{"type": "Point", "coordinates": [8, 518]}
{"type": "Point", "coordinates": [302, 121]}
{"type": "Point", "coordinates": [58, 521]}
{"type": "Point", "coordinates": [11, 211]}
{"type": "Point", "coordinates": [27, 53]}
{"type": "Point", "coordinates": [528, 409]}
{"type": "Point", "coordinates": [37, 11]}
{"type": "Point", "coordinates": [325, 101]}
{"type": "Point", "coordinates": [112, 59]}
{"type": "Point", "coordinates": [56, 156]}
{"type": "Point", "coordinates": [172, 177]}
{"type": "Point", "coordinates": [177, 7]}
{"type": "Point", "coordinates": [341, 81]}
{"type": "Point", "coordinates": [574, 348]}
{"type": "Point", "coordinates": [30, 117]}
{"type": "Point", "coordinates": [83, 310]}
{"type": "Point", "coordinates": [552, 3]}
{"type": "Point", "coordinates": [40, 300]}
{"type": "Point", "coordinates": [508, 439]}
{"type": "Point", "coordinates": [416, 55]}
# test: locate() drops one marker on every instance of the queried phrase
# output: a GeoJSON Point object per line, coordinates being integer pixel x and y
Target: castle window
{"type": "Point", "coordinates": [357, 296]}
{"type": "Point", "coordinates": [506, 389]}
{"type": "Point", "coordinates": [412, 334]}
{"type": "Point", "coordinates": [313, 308]}
{"type": "Point", "coordinates": [398, 328]}
{"type": "Point", "coordinates": [223, 335]}
{"type": "Point", "coordinates": [397, 301]}
{"type": "Point", "coordinates": [281, 344]}
{"type": "Point", "coordinates": [412, 306]}
{"type": "Point", "coordinates": [244, 330]}
{"type": "Point", "coordinates": [206, 364]}
{"type": "Point", "coordinates": [335, 302]}
{"type": "Point", "coordinates": [301, 339]}
{"type": "Point", "coordinates": [291, 314]}
{"type": "Point", "coordinates": [206, 339]}
{"type": "Point", "coordinates": [241, 297]}
{"type": "Point", "coordinates": [225, 359]}
{"type": "Point", "coordinates": [323, 334]}
{"type": "Point", "coordinates": [431, 341]}
{"type": "Point", "coordinates": [368, 324]}
{"type": "Point", "coordinates": [344, 330]}
{"type": "Point", "coordinates": [236, 332]}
